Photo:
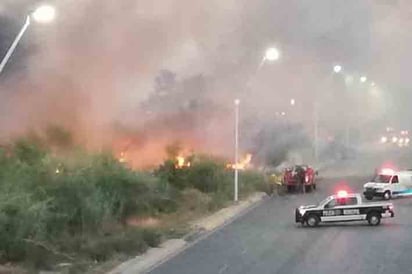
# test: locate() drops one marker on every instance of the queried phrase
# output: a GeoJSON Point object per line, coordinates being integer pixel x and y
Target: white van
{"type": "Point", "coordinates": [389, 183]}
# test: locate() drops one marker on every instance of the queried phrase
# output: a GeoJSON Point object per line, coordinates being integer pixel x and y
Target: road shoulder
{"type": "Point", "coordinates": [201, 229]}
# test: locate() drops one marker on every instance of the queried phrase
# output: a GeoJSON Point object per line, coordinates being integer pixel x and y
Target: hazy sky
{"type": "Point", "coordinates": [98, 60]}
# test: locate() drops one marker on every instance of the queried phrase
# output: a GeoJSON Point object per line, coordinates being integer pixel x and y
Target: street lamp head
{"type": "Point", "coordinates": [337, 68]}
{"type": "Point", "coordinates": [363, 79]}
{"type": "Point", "coordinates": [44, 14]}
{"type": "Point", "coordinates": [272, 54]}
{"type": "Point", "coordinates": [237, 102]}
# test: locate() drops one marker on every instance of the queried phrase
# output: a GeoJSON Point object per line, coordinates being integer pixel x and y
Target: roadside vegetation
{"type": "Point", "coordinates": [60, 204]}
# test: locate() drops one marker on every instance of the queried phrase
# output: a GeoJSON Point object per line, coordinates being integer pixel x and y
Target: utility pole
{"type": "Point", "coordinates": [236, 186]}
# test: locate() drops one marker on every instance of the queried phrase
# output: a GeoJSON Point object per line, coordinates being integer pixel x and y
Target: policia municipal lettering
{"type": "Point", "coordinates": [341, 209]}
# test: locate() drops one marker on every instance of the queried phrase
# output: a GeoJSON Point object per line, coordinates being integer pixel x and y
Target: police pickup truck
{"type": "Point", "coordinates": [343, 207]}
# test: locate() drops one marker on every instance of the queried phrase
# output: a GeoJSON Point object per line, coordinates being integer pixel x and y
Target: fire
{"type": "Point", "coordinates": [242, 164]}
{"type": "Point", "coordinates": [122, 158]}
{"type": "Point", "coordinates": [182, 162]}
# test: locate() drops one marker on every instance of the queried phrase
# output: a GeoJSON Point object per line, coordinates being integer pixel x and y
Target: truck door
{"type": "Point", "coordinates": [396, 187]}
{"type": "Point", "coordinates": [341, 209]}
{"type": "Point", "coordinates": [330, 212]}
{"type": "Point", "coordinates": [351, 210]}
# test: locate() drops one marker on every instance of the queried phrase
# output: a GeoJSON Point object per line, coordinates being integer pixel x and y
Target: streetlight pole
{"type": "Point", "coordinates": [236, 186]}
{"type": "Point", "coordinates": [337, 69]}
{"type": "Point", "coordinates": [271, 54]}
{"type": "Point", "coordinates": [316, 132]}
{"type": "Point", "coordinates": [43, 14]}
{"type": "Point", "coordinates": [14, 45]}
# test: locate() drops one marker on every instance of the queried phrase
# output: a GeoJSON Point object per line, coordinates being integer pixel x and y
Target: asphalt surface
{"type": "Point", "coordinates": [266, 240]}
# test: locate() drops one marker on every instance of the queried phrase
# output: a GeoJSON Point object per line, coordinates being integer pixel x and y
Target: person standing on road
{"type": "Point", "coordinates": [300, 178]}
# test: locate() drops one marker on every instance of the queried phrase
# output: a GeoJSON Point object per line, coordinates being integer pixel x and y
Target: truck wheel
{"type": "Point", "coordinates": [387, 195]}
{"type": "Point", "coordinates": [374, 218]}
{"type": "Point", "coordinates": [312, 220]}
{"type": "Point", "coordinates": [368, 197]}
{"type": "Point", "coordinates": [314, 186]}
{"type": "Point", "coordinates": [308, 188]}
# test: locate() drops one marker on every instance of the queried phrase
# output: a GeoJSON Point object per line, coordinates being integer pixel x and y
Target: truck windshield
{"type": "Point", "coordinates": [380, 178]}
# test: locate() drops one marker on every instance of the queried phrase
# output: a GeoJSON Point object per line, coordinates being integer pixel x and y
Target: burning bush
{"type": "Point", "coordinates": [210, 175]}
{"type": "Point", "coordinates": [73, 207]}
{"type": "Point", "coordinates": [204, 173]}
{"type": "Point", "coordinates": [40, 207]}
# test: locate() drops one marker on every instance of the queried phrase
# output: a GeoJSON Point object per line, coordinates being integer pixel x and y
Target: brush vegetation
{"type": "Point", "coordinates": [59, 203]}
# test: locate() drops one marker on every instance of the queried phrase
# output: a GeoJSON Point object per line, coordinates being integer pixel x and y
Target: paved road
{"type": "Point", "coordinates": [266, 240]}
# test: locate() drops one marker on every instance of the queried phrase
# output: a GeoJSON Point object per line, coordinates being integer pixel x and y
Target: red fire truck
{"type": "Point", "coordinates": [300, 178]}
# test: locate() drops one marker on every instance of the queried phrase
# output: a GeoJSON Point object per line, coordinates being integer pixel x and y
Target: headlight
{"type": "Point", "coordinates": [302, 211]}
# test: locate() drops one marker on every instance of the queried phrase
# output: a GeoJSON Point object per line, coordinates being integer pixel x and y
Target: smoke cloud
{"type": "Point", "coordinates": [93, 71]}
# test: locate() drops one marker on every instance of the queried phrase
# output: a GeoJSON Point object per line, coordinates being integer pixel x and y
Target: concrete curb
{"type": "Point", "coordinates": [202, 228]}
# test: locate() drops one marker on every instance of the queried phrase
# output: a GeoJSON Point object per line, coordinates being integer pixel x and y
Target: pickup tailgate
{"type": "Point", "coordinates": [385, 209]}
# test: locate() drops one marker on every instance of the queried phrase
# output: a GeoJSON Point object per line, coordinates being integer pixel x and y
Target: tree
{"type": "Point", "coordinates": [59, 137]}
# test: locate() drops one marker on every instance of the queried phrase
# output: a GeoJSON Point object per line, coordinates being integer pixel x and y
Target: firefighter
{"type": "Point", "coordinates": [300, 176]}
{"type": "Point", "coordinates": [276, 184]}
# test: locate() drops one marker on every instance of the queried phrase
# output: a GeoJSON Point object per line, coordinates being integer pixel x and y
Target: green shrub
{"type": "Point", "coordinates": [152, 237]}
{"type": "Point", "coordinates": [103, 247]}
{"type": "Point", "coordinates": [252, 181]}
{"type": "Point", "coordinates": [130, 241]}
{"type": "Point", "coordinates": [194, 200]}
{"type": "Point", "coordinates": [59, 207]}
{"type": "Point", "coordinates": [176, 177]}
{"type": "Point", "coordinates": [208, 175]}
{"type": "Point", "coordinates": [40, 205]}
{"type": "Point", "coordinates": [30, 151]}
{"type": "Point", "coordinates": [219, 200]}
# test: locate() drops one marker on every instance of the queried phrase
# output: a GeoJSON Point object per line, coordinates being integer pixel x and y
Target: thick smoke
{"type": "Point", "coordinates": [94, 70]}
{"type": "Point", "coordinates": [97, 63]}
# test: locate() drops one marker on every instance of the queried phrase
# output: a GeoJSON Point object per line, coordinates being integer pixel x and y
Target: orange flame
{"type": "Point", "coordinates": [242, 164]}
{"type": "Point", "coordinates": [122, 157]}
{"type": "Point", "coordinates": [182, 162]}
